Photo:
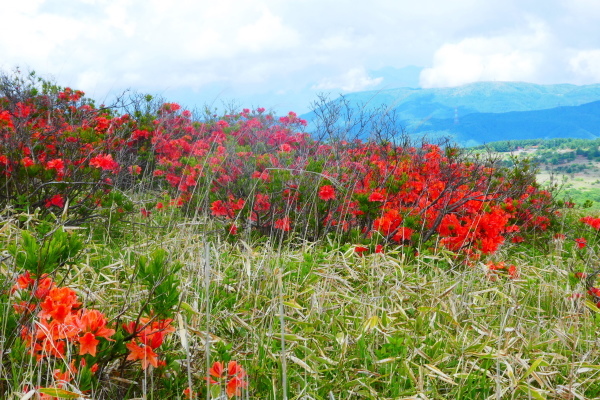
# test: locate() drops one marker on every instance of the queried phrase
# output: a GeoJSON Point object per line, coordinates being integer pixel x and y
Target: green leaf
{"type": "Point", "coordinates": [60, 393]}
{"type": "Point", "coordinates": [215, 391]}
{"type": "Point", "coordinates": [370, 323]}
{"type": "Point", "coordinates": [589, 304]}
{"type": "Point", "coordinates": [532, 393]}
{"type": "Point", "coordinates": [293, 304]}
{"type": "Point", "coordinates": [533, 367]}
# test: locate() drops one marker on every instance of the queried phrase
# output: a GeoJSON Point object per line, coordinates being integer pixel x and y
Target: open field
{"type": "Point", "coordinates": [578, 179]}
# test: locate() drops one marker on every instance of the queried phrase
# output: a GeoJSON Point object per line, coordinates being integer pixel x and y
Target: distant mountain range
{"type": "Point", "coordinates": [483, 112]}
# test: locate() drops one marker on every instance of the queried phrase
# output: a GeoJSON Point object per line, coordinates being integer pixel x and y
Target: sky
{"type": "Point", "coordinates": [280, 54]}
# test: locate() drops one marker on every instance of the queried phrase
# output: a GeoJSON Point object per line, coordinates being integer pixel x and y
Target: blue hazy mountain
{"type": "Point", "coordinates": [582, 122]}
{"type": "Point", "coordinates": [488, 111]}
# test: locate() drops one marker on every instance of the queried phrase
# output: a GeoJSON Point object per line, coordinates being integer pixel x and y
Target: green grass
{"type": "Point", "coordinates": [315, 321]}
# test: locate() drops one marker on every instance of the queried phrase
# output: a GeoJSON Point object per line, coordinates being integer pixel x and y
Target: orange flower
{"type": "Point", "coordinates": [237, 379]}
{"type": "Point", "coordinates": [234, 379]}
{"type": "Point", "coordinates": [150, 334]}
{"type": "Point", "coordinates": [24, 281]}
{"type": "Point", "coordinates": [145, 354]}
{"type": "Point", "coordinates": [216, 371]}
{"type": "Point", "coordinates": [59, 303]}
{"type": "Point", "coordinates": [42, 286]}
{"type": "Point", "coordinates": [388, 223]}
{"type": "Point", "coordinates": [88, 343]}
{"type": "Point", "coordinates": [402, 234]}
{"type": "Point", "coordinates": [188, 393]}
{"type": "Point", "coordinates": [94, 321]}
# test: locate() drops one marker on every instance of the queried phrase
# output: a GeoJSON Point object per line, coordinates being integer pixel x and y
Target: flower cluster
{"type": "Point", "coordinates": [58, 149]}
{"type": "Point", "coordinates": [233, 378]}
{"type": "Point", "coordinates": [591, 221]}
{"type": "Point", "coordinates": [148, 335]}
{"type": "Point", "coordinates": [61, 326]}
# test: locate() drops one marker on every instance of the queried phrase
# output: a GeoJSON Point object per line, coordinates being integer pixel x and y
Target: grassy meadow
{"type": "Point", "coordinates": [312, 320]}
{"type": "Point", "coordinates": [149, 254]}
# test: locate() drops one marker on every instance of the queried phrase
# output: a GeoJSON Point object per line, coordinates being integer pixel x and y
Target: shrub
{"type": "Point", "coordinates": [58, 153]}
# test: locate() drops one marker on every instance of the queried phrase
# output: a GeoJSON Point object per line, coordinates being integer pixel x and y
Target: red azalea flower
{"type": "Point", "coordinates": [188, 393]}
{"type": "Point", "coordinates": [233, 230]}
{"type": "Point", "coordinates": [360, 250]}
{"type": "Point", "coordinates": [376, 196]}
{"type": "Point", "coordinates": [144, 353]}
{"type": "Point", "coordinates": [285, 148]}
{"type": "Point", "coordinates": [518, 239]}
{"type": "Point", "coordinates": [283, 224]}
{"type": "Point", "coordinates": [593, 222]}
{"type": "Point", "coordinates": [403, 233]}
{"type": "Point", "coordinates": [95, 322]}
{"type": "Point", "coordinates": [27, 162]}
{"type": "Point", "coordinates": [24, 281]}
{"type": "Point", "coordinates": [56, 201]}
{"type": "Point", "coordinates": [57, 164]}
{"type": "Point", "coordinates": [104, 162]}
{"type": "Point", "coordinates": [327, 193]}
{"type": "Point", "coordinates": [88, 343]}
{"type": "Point", "coordinates": [218, 209]}
{"type": "Point", "coordinates": [262, 203]}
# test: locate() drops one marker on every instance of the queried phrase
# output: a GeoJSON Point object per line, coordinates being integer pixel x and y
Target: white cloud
{"type": "Point", "coordinates": [586, 65]}
{"type": "Point", "coordinates": [266, 33]}
{"type": "Point", "coordinates": [509, 57]}
{"type": "Point", "coordinates": [270, 46]}
{"type": "Point", "coordinates": [355, 79]}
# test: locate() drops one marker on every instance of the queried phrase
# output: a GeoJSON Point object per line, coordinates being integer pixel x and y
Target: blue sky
{"type": "Point", "coordinates": [280, 53]}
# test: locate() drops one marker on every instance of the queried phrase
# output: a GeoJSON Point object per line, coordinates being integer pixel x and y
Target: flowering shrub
{"type": "Point", "coordinates": [148, 335]}
{"type": "Point", "coordinates": [59, 323]}
{"type": "Point", "coordinates": [261, 173]}
{"type": "Point", "coordinates": [57, 149]}
{"type": "Point", "coordinates": [76, 344]}
{"type": "Point", "coordinates": [250, 170]}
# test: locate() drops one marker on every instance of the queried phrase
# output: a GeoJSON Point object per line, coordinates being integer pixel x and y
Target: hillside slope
{"type": "Point", "coordinates": [488, 111]}
{"type": "Point", "coordinates": [582, 122]}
